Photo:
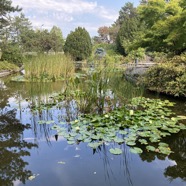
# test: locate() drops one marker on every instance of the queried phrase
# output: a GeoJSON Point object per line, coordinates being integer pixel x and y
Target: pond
{"type": "Point", "coordinates": [33, 154]}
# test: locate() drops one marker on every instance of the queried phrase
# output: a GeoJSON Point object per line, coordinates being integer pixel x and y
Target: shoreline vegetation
{"type": "Point", "coordinates": [137, 33]}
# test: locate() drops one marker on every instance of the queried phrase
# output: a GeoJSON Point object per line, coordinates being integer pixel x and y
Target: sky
{"type": "Point", "coordinates": [69, 14]}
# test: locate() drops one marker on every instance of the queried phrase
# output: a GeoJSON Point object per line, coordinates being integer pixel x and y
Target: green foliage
{"type": "Point", "coordinates": [150, 122]}
{"type": "Point", "coordinates": [57, 38]}
{"type": "Point", "coordinates": [6, 8]}
{"type": "Point", "coordinates": [4, 65]}
{"type": "Point", "coordinates": [165, 26]}
{"type": "Point", "coordinates": [137, 54]}
{"type": "Point", "coordinates": [129, 26]}
{"type": "Point", "coordinates": [12, 54]}
{"type": "Point", "coordinates": [168, 77]}
{"type": "Point", "coordinates": [49, 68]}
{"type": "Point", "coordinates": [78, 44]}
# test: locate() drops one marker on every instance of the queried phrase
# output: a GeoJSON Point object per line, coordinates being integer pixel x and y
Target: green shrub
{"type": "Point", "coordinates": [78, 44]}
{"type": "Point", "coordinates": [12, 54]}
{"type": "Point", "coordinates": [168, 77]}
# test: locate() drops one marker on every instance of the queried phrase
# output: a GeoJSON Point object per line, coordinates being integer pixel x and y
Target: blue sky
{"type": "Point", "coordinates": [69, 14]}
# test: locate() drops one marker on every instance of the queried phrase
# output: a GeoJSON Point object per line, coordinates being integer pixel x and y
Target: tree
{"type": "Point", "coordinates": [165, 22]}
{"type": "Point", "coordinates": [126, 12]}
{"type": "Point", "coordinates": [78, 44]}
{"type": "Point", "coordinates": [129, 26]}
{"type": "Point", "coordinates": [19, 26]}
{"type": "Point", "coordinates": [57, 39]}
{"type": "Point", "coordinates": [6, 8]}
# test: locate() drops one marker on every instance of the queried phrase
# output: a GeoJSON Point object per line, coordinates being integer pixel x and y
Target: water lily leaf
{"type": "Point", "coordinates": [143, 141]}
{"type": "Point", "coordinates": [50, 122]}
{"type": "Point", "coordinates": [153, 140]}
{"type": "Point", "coordinates": [71, 142]}
{"type": "Point", "coordinates": [94, 145]}
{"type": "Point", "coordinates": [163, 144]}
{"type": "Point", "coordinates": [73, 134]}
{"type": "Point", "coordinates": [130, 143]}
{"type": "Point", "coordinates": [174, 130]}
{"type": "Point", "coordinates": [107, 139]}
{"type": "Point", "coordinates": [136, 150]}
{"type": "Point", "coordinates": [88, 140]}
{"type": "Point", "coordinates": [164, 150]}
{"type": "Point", "coordinates": [145, 134]}
{"type": "Point", "coordinates": [115, 151]}
{"type": "Point", "coordinates": [164, 134]}
{"type": "Point", "coordinates": [118, 140]}
{"type": "Point", "coordinates": [183, 127]}
{"type": "Point", "coordinates": [70, 138]}
{"type": "Point", "coordinates": [150, 148]}
{"type": "Point", "coordinates": [42, 122]}
{"type": "Point", "coordinates": [95, 137]}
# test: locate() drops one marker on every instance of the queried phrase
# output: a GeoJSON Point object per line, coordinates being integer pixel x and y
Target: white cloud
{"type": "Point", "coordinates": [66, 13]}
{"type": "Point", "coordinates": [70, 6]}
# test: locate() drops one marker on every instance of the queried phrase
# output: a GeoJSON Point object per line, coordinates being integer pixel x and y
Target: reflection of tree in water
{"type": "Point", "coordinates": [177, 144]}
{"type": "Point", "coordinates": [107, 159]}
{"type": "Point", "coordinates": [12, 149]}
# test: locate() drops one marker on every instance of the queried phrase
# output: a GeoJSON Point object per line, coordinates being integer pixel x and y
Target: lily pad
{"type": "Point", "coordinates": [118, 140]}
{"type": "Point", "coordinates": [131, 143]}
{"type": "Point", "coordinates": [115, 151]}
{"type": "Point", "coordinates": [150, 148]}
{"type": "Point", "coordinates": [94, 145]}
{"type": "Point", "coordinates": [136, 150]}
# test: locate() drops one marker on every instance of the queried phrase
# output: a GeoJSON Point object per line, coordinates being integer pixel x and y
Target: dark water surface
{"type": "Point", "coordinates": [31, 155]}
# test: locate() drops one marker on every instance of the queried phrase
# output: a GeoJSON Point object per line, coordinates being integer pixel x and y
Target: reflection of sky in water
{"type": "Point", "coordinates": [82, 167]}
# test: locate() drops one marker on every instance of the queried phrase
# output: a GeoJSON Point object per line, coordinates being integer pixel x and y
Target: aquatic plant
{"type": "Point", "coordinates": [49, 67]}
{"type": "Point", "coordinates": [143, 123]}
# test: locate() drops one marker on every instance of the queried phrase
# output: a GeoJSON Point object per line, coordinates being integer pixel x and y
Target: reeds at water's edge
{"type": "Point", "coordinates": [51, 67]}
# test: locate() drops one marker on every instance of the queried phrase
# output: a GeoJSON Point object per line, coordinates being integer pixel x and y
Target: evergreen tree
{"type": "Point", "coordinates": [57, 39]}
{"type": "Point", "coordinates": [6, 8]}
{"type": "Point", "coordinates": [129, 25]}
{"type": "Point", "coordinates": [78, 44]}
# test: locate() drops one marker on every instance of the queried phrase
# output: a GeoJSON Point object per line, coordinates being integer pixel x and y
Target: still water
{"type": "Point", "coordinates": [32, 155]}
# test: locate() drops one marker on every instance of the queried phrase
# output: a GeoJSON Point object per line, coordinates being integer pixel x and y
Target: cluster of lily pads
{"type": "Point", "coordinates": [143, 123]}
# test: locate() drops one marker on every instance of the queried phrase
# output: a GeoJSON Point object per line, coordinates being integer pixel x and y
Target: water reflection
{"type": "Point", "coordinates": [115, 169]}
{"type": "Point", "coordinates": [12, 150]}
{"type": "Point", "coordinates": [178, 145]}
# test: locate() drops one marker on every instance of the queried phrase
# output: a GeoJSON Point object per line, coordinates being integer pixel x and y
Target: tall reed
{"type": "Point", "coordinates": [49, 67]}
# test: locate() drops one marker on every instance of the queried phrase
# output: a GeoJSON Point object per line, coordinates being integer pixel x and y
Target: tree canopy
{"type": "Point", "coordinates": [78, 44]}
{"type": "Point", "coordinates": [6, 8]}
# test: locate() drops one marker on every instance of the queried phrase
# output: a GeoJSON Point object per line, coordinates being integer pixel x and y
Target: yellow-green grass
{"type": "Point", "coordinates": [49, 67]}
{"type": "Point", "coordinates": [4, 65]}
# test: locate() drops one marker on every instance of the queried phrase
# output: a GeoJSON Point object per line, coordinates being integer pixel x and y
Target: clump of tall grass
{"type": "Point", "coordinates": [49, 67]}
{"type": "Point", "coordinates": [4, 65]}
